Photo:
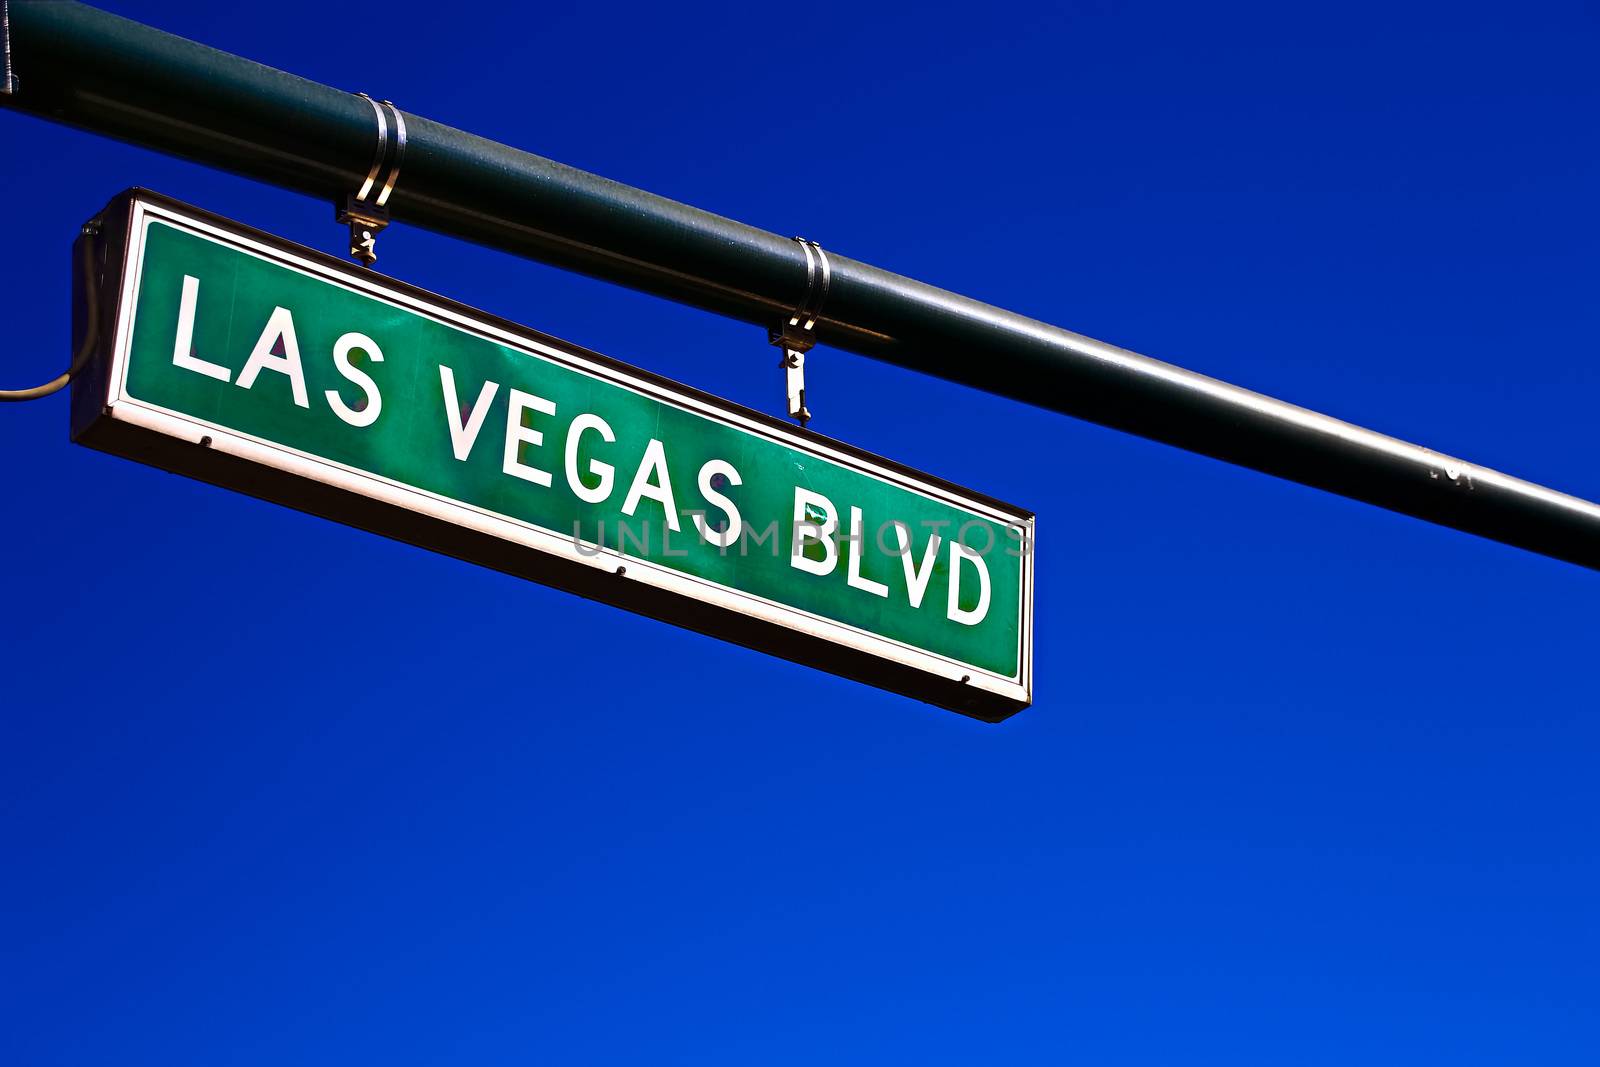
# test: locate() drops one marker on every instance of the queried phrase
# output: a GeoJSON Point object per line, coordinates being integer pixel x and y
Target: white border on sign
{"type": "Point", "coordinates": [127, 408]}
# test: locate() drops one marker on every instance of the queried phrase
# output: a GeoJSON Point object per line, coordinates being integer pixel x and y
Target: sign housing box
{"type": "Point", "coordinates": [107, 415]}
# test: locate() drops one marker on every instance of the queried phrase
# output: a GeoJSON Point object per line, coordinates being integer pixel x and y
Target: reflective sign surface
{"type": "Point", "coordinates": [281, 357]}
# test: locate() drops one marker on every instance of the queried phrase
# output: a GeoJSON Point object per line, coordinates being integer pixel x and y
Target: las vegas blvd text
{"type": "Point", "coordinates": [818, 542]}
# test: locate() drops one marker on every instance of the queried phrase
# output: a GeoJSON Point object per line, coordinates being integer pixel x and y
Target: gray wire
{"type": "Point", "coordinates": [91, 334]}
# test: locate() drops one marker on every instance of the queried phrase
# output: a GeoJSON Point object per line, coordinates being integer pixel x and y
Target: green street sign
{"type": "Point", "coordinates": [238, 358]}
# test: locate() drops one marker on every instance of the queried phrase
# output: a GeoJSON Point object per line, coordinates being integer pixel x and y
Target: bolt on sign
{"type": "Point", "coordinates": [232, 356]}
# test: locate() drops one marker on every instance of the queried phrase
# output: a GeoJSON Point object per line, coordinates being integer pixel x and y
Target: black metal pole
{"type": "Point", "coordinates": [93, 70]}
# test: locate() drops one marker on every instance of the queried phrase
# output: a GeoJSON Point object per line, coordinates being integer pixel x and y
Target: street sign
{"type": "Point", "coordinates": [233, 356]}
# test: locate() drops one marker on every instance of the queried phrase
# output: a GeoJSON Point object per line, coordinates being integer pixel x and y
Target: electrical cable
{"type": "Point", "coordinates": [91, 335]}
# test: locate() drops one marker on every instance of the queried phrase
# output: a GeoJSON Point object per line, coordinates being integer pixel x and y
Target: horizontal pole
{"type": "Point", "coordinates": [87, 68]}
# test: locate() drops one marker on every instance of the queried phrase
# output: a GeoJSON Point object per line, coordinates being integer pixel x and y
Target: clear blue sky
{"type": "Point", "coordinates": [1305, 783]}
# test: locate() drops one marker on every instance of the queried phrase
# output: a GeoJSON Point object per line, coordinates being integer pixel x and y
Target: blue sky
{"type": "Point", "coordinates": [1305, 782]}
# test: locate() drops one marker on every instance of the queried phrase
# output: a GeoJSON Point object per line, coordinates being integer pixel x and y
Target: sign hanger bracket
{"type": "Point", "coordinates": [796, 335]}
{"type": "Point", "coordinates": [365, 213]}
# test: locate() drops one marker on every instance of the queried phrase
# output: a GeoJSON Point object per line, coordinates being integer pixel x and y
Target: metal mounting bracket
{"type": "Point", "coordinates": [795, 336]}
{"type": "Point", "coordinates": [364, 213]}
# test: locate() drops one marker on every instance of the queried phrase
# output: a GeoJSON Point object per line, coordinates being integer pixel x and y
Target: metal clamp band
{"type": "Point", "coordinates": [806, 314]}
{"type": "Point", "coordinates": [367, 217]}
{"type": "Point", "coordinates": [399, 154]}
{"type": "Point", "coordinates": [795, 336]}
{"type": "Point", "coordinates": [383, 147]}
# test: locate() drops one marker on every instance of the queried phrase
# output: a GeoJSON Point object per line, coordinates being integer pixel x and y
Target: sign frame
{"type": "Point", "coordinates": [106, 418]}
